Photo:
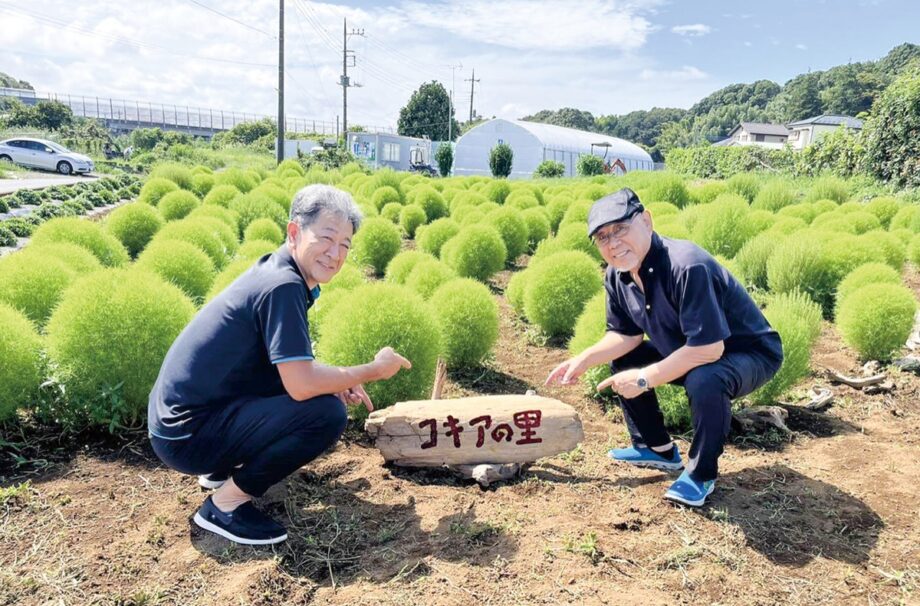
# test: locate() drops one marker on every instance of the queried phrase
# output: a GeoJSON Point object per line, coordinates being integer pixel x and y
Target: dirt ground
{"type": "Point", "coordinates": [828, 515]}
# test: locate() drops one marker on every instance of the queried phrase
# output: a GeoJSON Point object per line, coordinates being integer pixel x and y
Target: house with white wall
{"type": "Point", "coordinates": [811, 130]}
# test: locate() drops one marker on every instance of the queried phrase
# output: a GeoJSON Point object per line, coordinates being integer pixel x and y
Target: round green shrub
{"type": "Point", "coordinates": [513, 230]}
{"type": "Point", "coordinates": [774, 196]}
{"type": "Point", "coordinates": [236, 177]}
{"type": "Point", "coordinates": [672, 229]}
{"type": "Point", "coordinates": [391, 211]}
{"type": "Point", "coordinates": [276, 194]}
{"type": "Point", "coordinates": [884, 208]}
{"type": "Point", "coordinates": [134, 225]}
{"type": "Point", "coordinates": [805, 212]}
{"type": "Point", "coordinates": [746, 185]}
{"type": "Point", "coordinates": [787, 225]}
{"type": "Point", "coordinates": [87, 234]}
{"type": "Point", "coordinates": [752, 259]}
{"type": "Point", "coordinates": [376, 243]}
{"type": "Point", "coordinates": [254, 250]}
{"type": "Point", "coordinates": [254, 206]}
{"type": "Point", "coordinates": [797, 319]}
{"type": "Point", "coordinates": [377, 316]}
{"type": "Point", "coordinates": [320, 311]}
{"type": "Point", "coordinates": [476, 252]}
{"type": "Point", "coordinates": [467, 316]}
{"type": "Point", "coordinates": [347, 278]}
{"type": "Point", "coordinates": [430, 238]}
{"type": "Point", "coordinates": [221, 195]}
{"type": "Point", "coordinates": [212, 211]}
{"type": "Point", "coordinates": [411, 217]}
{"type": "Point", "coordinates": [522, 199]}
{"type": "Point", "coordinates": [590, 327]}
{"type": "Point", "coordinates": [77, 258]}
{"type": "Point", "coordinates": [230, 273]}
{"type": "Point", "coordinates": [515, 290]}
{"type": "Point", "coordinates": [659, 210]}
{"type": "Point", "coordinates": [198, 232]}
{"type": "Point", "coordinates": [182, 264]}
{"type": "Point", "coordinates": [538, 228]}
{"type": "Point", "coordinates": [20, 361]}
{"type": "Point", "coordinates": [427, 276]}
{"type": "Point", "coordinates": [497, 190]}
{"type": "Point", "coordinates": [202, 184]}
{"type": "Point", "coordinates": [668, 187]}
{"type": "Point", "coordinates": [558, 290]}
{"type": "Point", "coordinates": [154, 189]}
{"type": "Point", "coordinates": [31, 287]}
{"type": "Point", "coordinates": [722, 226]}
{"type": "Point", "coordinates": [828, 188]}
{"type": "Point", "coordinates": [386, 195]}
{"type": "Point", "coordinates": [402, 265]}
{"type": "Point", "coordinates": [877, 319]}
{"type": "Point", "coordinates": [111, 331]}
{"type": "Point", "coordinates": [867, 273]}
{"type": "Point", "coordinates": [430, 200]}
{"type": "Point", "coordinates": [577, 213]}
{"type": "Point", "coordinates": [760, 220]}
{"type": "Point", "coordinates": [264, 229]}
{"type": "Point", "coordinates": [704, 193]}
{"type": "Point", "coordinates": [177, 173]}
{"type": "Point", "coordinates": [557, 209]}
{"type": "Point", "coordinates": [177, 204]}
{"type": "Point", "coordinates": [799, 264]}
{"type": "Point", "coordinates": [892, 249]}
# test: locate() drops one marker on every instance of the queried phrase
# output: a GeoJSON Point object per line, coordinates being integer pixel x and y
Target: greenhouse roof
{"type": "Point", "coordinates": [562, 138]}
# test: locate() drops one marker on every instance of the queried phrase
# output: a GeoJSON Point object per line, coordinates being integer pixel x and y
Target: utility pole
{"type": "Point", "coordinates": [450, 116]}
{"type": "Point", "coordinates": [472, 82]}
{"type": "Point", "coordinates": [344, 81]}
{"type": "Point", "coordinates": [279, 144]}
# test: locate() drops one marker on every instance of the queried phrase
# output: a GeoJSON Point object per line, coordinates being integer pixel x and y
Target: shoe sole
{"type": "Point", "coordinates": [210, 484]}
{"type": "Point", "coordinates": [202, 523]}
{"type": "Point", "coordinates": [679, 499]}
{"type": "Point", "coordinates": [662, 466]}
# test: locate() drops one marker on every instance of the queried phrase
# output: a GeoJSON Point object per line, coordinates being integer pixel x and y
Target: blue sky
{"type": "Point", "coordinates": [605, 56]}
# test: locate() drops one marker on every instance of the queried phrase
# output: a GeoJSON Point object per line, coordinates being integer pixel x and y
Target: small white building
{"type": "Point", "coordinates": [811, 130]}
{"type": "Point", "coordinates": [761, 134]}
{"type": "Point", "coordinates": [382, 150]}
{"type": "Point", "coordinates": [534, 142]}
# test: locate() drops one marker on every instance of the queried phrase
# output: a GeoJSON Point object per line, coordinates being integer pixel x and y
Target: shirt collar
{"type": "Point", "coordinates": [284, 254]}
{"type": "Point", "coordinates": [651, 261]}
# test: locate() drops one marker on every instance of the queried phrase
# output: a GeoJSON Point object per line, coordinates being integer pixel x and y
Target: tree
{"type": "Point", "coordinates": [500, 159]}
{"type": "Point", "coordinates": [52, 115]}
{"type": "Point", "coordinates": [589, 165]}
{"type": "Point", "coordinates": [445, 158]}
{"type": "Point", "coordinates": [18, 113]}
{"type": "Point", "coordinates": [426, 114]}
{"type": "Point", "coordinates": [549, 169]}
{"type": "Point", "coordinates": [567, 116]}
{"type": "Point", "coordinates": [890, 134]}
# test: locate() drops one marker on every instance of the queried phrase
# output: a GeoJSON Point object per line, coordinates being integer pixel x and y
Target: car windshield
{"type": "Point", "coordinates": [57, 147]}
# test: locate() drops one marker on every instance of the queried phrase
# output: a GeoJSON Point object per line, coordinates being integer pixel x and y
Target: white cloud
{"type": "Point", "coordinates": [801, 46]}
{"type": "Point", "coordinates": [748, 43]}
{"type": "Point", "coordinates": [538, 24]}
{"type": "Point", "coordinates": [696, 30]}
{"type": "Point", "coordinates": [687, 72]}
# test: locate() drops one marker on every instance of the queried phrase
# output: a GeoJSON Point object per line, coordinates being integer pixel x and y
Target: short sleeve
{"type": "Point", "coordinates": [618, 320]}
{"type": "Point", "coordinates": [702, 318]}
{"type": "Point", "coordinates": [282, 318]}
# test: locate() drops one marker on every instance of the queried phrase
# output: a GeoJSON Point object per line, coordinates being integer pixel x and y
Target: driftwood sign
{"type": "Point", "coordinates": [471, 431]}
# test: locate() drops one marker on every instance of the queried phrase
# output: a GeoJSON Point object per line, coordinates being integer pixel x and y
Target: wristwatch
{"type": "Point", "coordinates": [642, 382]}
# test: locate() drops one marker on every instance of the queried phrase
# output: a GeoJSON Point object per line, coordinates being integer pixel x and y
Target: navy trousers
{"type": "Point", "coordinates": [710, 389]}
{"type": "Point", "coordinates": [257, 442]}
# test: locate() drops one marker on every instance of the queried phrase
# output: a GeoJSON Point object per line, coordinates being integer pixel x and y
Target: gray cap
{"type": "Point", "coordinates": [612, 208]}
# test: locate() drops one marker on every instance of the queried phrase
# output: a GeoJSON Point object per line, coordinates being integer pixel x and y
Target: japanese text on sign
{"type": "Point", "coordinates": [527, 421]}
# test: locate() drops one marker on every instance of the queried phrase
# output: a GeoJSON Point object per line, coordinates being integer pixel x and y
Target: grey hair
{"type": "Point", "coordinates": [313, 200]}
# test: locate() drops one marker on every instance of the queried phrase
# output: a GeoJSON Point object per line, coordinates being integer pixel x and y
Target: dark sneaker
{"type": "Point", "coordinates": [640, 456]}
{"type": "Point", "coordinates": [687, 491]}
{"type": "Point", "coordinates": [213, 481]}
{"type": "Point", "coordinates": [245, 525]}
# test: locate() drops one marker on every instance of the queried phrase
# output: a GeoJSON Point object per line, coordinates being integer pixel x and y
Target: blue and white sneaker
{"type": "Point", "coordinates": [688, 491]}
{"type": "Point", "coordinates": [245, 525]}
{"type": "Point", "coordinates": [212, 481]}
{"type": "Point", "coordinates": [640, 456]}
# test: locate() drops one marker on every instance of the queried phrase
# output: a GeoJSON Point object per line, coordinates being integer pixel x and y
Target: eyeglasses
{"type": "Point", "coordinates": [617, 232]}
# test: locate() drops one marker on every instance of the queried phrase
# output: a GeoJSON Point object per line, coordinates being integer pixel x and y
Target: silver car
{"type": "Point", "coordinates": [41, 153]}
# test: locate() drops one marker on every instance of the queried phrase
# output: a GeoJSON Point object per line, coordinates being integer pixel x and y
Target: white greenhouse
{"type": "Point", "coordinates": [534, 142]}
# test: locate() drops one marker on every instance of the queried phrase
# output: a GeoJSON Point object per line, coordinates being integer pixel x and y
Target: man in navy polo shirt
{"type": "Point", "coordinates": [704, 333]}
{"type": "Point", "coordinates": [239, 397]}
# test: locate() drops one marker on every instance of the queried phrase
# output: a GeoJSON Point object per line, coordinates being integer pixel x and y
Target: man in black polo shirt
{"type": "Point", "coordinates": [239, 397]}
{"type": "Point", "coordinates": [704, 333]}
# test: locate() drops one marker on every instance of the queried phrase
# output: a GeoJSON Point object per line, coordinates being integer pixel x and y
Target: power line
{"type": "Point", "coordinates": [234, 19]}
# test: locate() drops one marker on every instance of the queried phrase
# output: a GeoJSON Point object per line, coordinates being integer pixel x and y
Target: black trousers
{"type": "Point", "coordinates": [710, 389]}
{"type": "Point", "coordinates": [269, 438]}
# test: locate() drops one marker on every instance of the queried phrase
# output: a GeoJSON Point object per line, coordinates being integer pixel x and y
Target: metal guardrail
{"type": "Point", "coordinates": [127, 114]}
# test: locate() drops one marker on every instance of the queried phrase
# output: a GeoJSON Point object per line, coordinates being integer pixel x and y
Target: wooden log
{"type": "Point", "coordinates": [854, 382]}
{"type": "Point", "coordinates": [476, 430]}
